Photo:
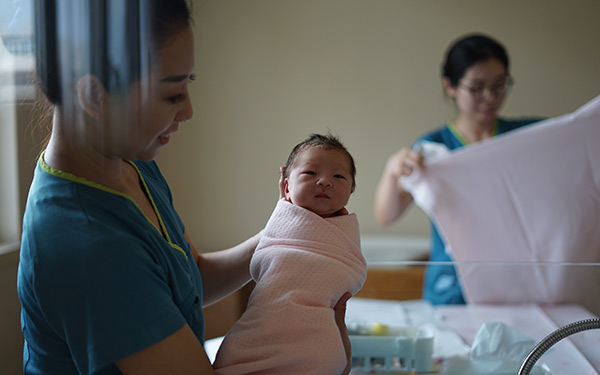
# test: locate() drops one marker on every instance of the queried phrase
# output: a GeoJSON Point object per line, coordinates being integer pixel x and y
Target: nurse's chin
{"type": "Point", "coordinates": [164, 140]}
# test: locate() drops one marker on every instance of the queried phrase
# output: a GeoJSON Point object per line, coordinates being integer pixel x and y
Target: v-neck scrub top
{"type": "Point", "coordinates": [97, 280]}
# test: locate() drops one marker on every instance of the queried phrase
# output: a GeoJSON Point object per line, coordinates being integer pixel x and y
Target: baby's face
{"type": "Point", "coordinates": [320, 181]}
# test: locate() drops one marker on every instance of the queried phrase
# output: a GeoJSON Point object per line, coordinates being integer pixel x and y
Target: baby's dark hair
{"type": "Point", "coordinates": [328, 142]}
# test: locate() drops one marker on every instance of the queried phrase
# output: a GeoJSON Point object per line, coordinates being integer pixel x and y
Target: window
{"type": "Point", "coordinates": [16, 96]}
{"type": "Point", "coordinates": [17, 47]}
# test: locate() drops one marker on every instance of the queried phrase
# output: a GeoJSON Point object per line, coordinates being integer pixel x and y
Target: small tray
{"type": "Point", "coordinates": [395, 349]}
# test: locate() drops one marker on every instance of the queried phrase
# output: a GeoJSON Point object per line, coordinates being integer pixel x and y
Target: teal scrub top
{"type": "Point", "coordinates": [97, 281]}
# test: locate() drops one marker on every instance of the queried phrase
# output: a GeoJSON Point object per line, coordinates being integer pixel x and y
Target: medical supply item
{"type": "Point", "coordinates": [383, 348]}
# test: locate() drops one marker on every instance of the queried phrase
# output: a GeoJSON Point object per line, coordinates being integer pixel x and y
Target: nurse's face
{"type": "Point", "coordinates": [143, 123]}
{"type": "Point", "coordinates": [480, 93]}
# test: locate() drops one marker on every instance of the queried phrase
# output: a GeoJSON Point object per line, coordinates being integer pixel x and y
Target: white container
{"type": "Point", "coordinates": [401, 349]}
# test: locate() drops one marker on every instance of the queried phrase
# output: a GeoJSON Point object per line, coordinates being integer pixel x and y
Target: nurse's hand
{"type": "Point", "coordinates": [391, 200]}
{"type": "Point", "coordinates": [281, 182]}
{"type": "Point", "coordinates": [340, 320]}
{"type": "Point", "coordinates": [403, 162]}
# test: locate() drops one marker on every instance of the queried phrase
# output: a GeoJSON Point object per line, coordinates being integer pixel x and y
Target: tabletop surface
{"type": "Point", "coordinates": [456, 326]}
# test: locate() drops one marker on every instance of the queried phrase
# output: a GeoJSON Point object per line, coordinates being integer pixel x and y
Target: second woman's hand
{"type": "Point", "coordinates": [403, 162]}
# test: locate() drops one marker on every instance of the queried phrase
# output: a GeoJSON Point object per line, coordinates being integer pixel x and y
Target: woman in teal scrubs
{"type": "Point", "coordinates": [109, 280]}
{"type": "Point", "coordinates": [476, 76]}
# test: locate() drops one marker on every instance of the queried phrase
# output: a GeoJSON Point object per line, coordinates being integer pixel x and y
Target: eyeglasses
{"type": "Point", "coordinates": [481, 91]}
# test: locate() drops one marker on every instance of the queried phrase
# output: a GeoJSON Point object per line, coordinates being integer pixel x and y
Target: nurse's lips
{"type": "Point", "coordinates": [164, 139]}
{"type": "Point", "coordinates": [488, 108]}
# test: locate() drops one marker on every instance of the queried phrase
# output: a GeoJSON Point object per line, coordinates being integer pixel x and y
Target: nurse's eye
{"type": "Point", "coordinates": [192, 78]}
{"type": "Point", "coordinates": [477, 90]}
{"type": "Point", "coordinates": [499, 88]}
{"type": "Point", "coordinates": [176, 98]}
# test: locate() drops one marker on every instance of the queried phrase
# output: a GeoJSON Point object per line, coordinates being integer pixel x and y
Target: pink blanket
{"type": "Point", "coordinates": [529, 196]}
{"type": "Point", "coordinates": [302, 266]}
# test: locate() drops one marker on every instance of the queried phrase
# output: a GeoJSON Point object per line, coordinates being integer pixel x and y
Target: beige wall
{"type": "Point", "coordinates": [272, 71]}
{"type": "Point", "coordinates": [11, 339]}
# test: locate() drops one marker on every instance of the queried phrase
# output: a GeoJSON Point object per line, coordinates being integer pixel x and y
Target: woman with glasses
{"type": "Point", "coordinates": [475, 75]}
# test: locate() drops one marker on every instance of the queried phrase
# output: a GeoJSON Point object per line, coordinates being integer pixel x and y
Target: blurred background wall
{"type": "Point", "coordinates": [270, 72]}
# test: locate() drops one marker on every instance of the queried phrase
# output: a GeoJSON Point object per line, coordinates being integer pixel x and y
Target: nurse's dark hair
{"type": "Point", "coordinates": [468, 51]}
{"type": "Point", "coordinates": [113, 40]}
{"type": "Point", "coordinates": [328, 142]}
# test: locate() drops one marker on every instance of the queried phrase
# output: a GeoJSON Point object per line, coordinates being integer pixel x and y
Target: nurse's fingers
{"type": "Point", "coordinates": [415, 159]}
{"type": "Point", "coordinates": [409, 160]}
{"type": "Point", "coordinates": [340, 319]}
{"type": "Point", "coordinates": [281, 182]}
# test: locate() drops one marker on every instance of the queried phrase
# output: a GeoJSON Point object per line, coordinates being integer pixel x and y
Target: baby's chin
{"type": "Point", "coordinates": [338, 212]}
{"type": "Point", "coordinates": [331, 212]}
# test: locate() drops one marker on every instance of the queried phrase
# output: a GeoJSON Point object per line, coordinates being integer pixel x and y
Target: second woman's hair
{"type": "Point", "coordinates": [468, 51]}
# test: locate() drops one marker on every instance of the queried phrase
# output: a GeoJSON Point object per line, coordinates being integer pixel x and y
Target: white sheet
{"type": "Point", "coordinates": [532, 195]}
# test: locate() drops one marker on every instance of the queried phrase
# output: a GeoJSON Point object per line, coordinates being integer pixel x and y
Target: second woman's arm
{"type": "Point", "coordinates": [391, 200]}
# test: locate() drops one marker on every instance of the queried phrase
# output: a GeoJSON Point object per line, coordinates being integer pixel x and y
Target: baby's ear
{"type": "Point", "coordinates": [286, 190]}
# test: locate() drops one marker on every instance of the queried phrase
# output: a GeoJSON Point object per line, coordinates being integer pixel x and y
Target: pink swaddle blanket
{"type": "Point", "coordinates": [531, 196]}
{"type": "Point", "coordinates": [302, 266]}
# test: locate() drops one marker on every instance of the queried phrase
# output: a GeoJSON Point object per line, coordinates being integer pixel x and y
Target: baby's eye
{"type": "Point", "coordinates": [339, 176]}
{"type": "Point", "coordinates": [311, 173]}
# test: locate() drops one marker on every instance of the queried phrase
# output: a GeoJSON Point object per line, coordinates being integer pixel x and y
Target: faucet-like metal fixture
{"type": "Point", "coordinates": [553, 338]}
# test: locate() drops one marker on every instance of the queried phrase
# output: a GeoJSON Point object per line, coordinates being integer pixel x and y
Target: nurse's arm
{"type": "Point", "coordinates": [180, 353]}
{"type": "Point", "coordinates": [223, 272]}
{"type": "Point", "coordinates": [391, 200]}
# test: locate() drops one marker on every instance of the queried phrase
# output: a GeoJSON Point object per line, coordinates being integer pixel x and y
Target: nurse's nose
{"type": "Point", "coordinates": [186, 112]}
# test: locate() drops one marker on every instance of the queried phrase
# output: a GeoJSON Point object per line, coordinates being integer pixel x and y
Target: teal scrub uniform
{"type": "Point", "coordinates": [97, 280]}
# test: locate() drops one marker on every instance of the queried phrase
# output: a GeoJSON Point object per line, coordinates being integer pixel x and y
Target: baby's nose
{"type": "Point", "coordinates": [326, 181]}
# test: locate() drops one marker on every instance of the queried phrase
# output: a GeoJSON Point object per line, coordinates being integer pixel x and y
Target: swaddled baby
{"type": "Point", "coordinates": [308, 258]}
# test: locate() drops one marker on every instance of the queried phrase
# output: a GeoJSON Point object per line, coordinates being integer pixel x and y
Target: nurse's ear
{"type": "Point", "coordinates": [450, 90]}
{"type": "Point", "coordinates": [91, 95]}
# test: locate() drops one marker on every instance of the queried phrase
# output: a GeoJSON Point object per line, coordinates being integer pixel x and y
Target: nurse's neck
{"type": "Point", "coordinates": [475, 131]}
{"type": "Point", "coordinates": [73, 150]}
